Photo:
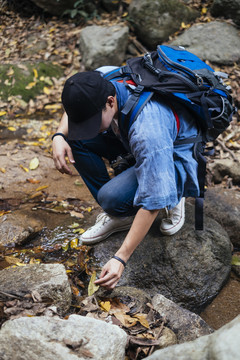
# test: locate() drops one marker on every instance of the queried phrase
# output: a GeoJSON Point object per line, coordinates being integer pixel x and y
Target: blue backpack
{"type": "Point", "coordinates": [176, 74]}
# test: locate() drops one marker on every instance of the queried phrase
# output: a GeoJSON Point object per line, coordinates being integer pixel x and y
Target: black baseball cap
{"type": "Point", "coordinates": [84, 96]}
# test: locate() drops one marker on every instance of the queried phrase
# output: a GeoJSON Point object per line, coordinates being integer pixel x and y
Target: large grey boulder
{"type": "Point", "coordinates": [227, 8]}
{"type": "Point", "coordinates": [221, 345]}
{"type": "Point", "coordinates": [44, 338]}
{"type": "Point", "coordinates": [48, 280]}
{"type": "Point", "coordinates": [216, 41]}
{"type": "Point", "coordinates": [155, 20]}
{"type": "Point", "coordinates": [188, 268]}
{"type": "Point", "coordinates": [185, 324]}
{"type": "Point", "coordinates": [103, 45]}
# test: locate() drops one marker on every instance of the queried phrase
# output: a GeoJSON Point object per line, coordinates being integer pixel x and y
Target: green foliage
{"type": "Point", "coordinates": [82, 9]}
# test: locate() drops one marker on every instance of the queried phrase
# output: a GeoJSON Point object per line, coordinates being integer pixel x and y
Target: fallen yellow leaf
{"type": "Point", "coordinates": [42, 187]}
{"type": "Point", "coordinates": [33, 181]}
{"type": "Point", "coordinates": [74, 243]}
{"type": "Point", "coordinates": [65, 245]}
{"type": "Point", "coordinates": [105, 305]}
{"type": "Point", "coordinates": [12, 128]}
{"type": "Point", "coordinates": [92, 288]}
{"type": "Point", "coordinates": [35, 73]}
{"type": "Point", "coordinates": [24, 168]}
{"type": "Point", "coordinates": [79, 231]}
{"type": "Point", "coordinates": [10, 72]}
{"type": "Point", "coordinates": [53, 106]}
{"type": "Point", "coordinates": [46, 90]}
{"type": "Point", "coordinates": [2, 170]}
{"type": "Point", "coordinates": [3, 212]}
{"type": "Point", "coordinates": [20, 264]}
{"type": "Point", "coordinates": [34, 163]}
{"type": "Point", "coordinates": [73, 226]}
{"type": "Point", "coordinates": [38, 193]}
{"type": "Point", "coordinates": [78, 183]}
{"type": "Point", "coordinates": [30, 85]}
{"type": "Point", "coordinates": [2, 113]}
{"type": "Point", "coordinates": [142, 319]}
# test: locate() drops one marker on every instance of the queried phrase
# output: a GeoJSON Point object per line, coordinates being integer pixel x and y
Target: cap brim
{"type": "Point", "coordinates": [85, 130]}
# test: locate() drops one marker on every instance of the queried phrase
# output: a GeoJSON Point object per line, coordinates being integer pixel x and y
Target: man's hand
{"type": "Point", "coordinates": [110, 275]}
{"type": "Point", "coordinates": [60, 150]}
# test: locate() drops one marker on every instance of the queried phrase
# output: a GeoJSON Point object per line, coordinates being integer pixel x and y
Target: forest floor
{"type": "Point", "coordinates": [28, 177]}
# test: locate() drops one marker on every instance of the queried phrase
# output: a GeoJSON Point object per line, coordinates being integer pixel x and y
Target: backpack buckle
{"type": "Point", "coordinates": [138, 90]}
{"type": "Point", "coordinates": [199, 80]}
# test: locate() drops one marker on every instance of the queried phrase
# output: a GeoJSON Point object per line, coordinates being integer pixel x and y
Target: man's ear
{"type": "Point", "coordinates": [111, 100]}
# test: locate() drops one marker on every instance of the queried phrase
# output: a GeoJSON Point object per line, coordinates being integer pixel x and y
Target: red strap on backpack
{"type": "Point", "coordinates": [176, 117]}
{"type": "Point", "coordinates": [131, 82]}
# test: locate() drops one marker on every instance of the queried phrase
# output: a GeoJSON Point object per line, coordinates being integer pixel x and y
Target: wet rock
{"type": "Point", "coordinates": [154, 21]}
{"type": "Point", "coordinates": [77, 337]}
{"type": "Point", "coordinates": [215, 41]}
{"type": "Point", "coordinates": [230, 9]}
{"type": "Point", "coordinates": [185, 324]}
{"type": "Point", "coordinates": [49, 280]}
{"type": "Point", "coordinates": [222, 344]}
{"type": "Point", "coordinates": [18, 228]}
{"type": "Point", "coordinates": [188, 268]}
{"type": "Point", "coordinates": [223, 205]}
{"type": "Point", "coordinates": [103, 45]}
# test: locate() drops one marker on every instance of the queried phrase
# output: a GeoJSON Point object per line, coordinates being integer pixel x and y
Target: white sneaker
{"type": "Point", "coordinates": [175, 219]}
{"type": "Point", "coordinates": [105, 226]}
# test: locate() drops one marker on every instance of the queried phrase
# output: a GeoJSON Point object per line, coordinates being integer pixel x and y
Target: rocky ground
{"type": "Point", "coordinates": [28, 180]}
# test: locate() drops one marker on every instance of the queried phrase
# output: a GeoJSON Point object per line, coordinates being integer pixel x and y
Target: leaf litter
{"type": "Point", "coordinates": [143, 327]}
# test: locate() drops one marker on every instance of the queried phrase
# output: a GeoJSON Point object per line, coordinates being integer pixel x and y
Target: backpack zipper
{"type": "Point", "coordinates": [149, 64]}
{"type": "Point", "coordinates": [179, 67]}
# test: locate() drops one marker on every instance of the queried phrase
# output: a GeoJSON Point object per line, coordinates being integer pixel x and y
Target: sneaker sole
{"type": "Point", "coordinates": [104, 236]}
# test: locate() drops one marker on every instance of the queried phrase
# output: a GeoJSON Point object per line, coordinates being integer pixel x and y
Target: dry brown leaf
{"type": "Point", "coordinates": [142, 318]}
{"type": "Point", "coordinates": [77, 214]}
{"type": "Point", "coordinates": [126, 320]}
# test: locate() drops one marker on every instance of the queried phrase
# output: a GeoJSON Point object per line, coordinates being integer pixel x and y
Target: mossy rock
{"type": "Point", "coordinates": [27, 80]}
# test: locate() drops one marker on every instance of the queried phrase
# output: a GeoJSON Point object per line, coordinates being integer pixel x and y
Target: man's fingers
{"type": "Point", "coordinates": [61, 166]}
{"type": "Point", "coordinates": [108, 279]}
{"type": "Point", "coordinates": [70, 155]}
{"type": "Point", "coordinates": [103, 279]}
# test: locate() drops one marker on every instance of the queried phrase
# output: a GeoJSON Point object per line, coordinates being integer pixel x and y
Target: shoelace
{"type": "Point", "coordinates": [104, 217]}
